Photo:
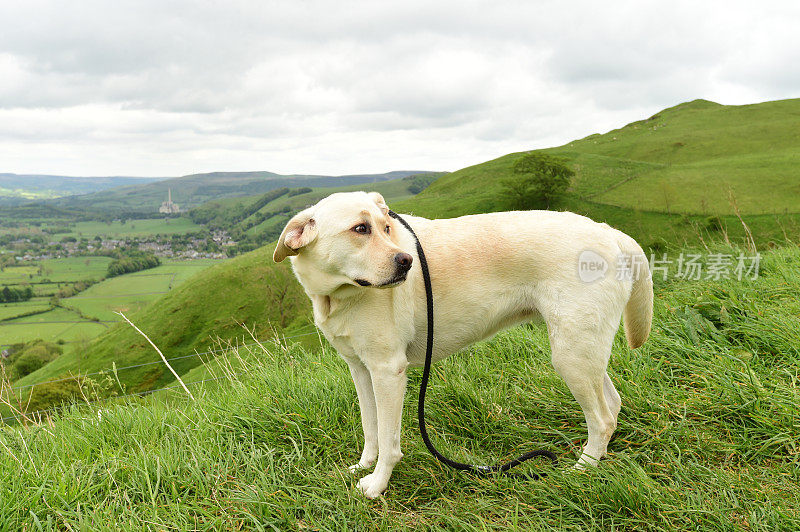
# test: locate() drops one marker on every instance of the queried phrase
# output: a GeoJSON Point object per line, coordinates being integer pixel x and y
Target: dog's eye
{"type": "Point", "coordinates": [387, 229]}
{"type": "Point", "coordinates": [362, 229]}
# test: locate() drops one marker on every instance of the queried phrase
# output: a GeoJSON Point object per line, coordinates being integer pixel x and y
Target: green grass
{"type": "Point", "coordinates": [708, 439]}
{"type": "Point", "coordinates": [761, 183]}
{"type": "Point", "coordinates": [11, 275]}
{"type": "Point", "coordinates": [134, 228]}
{"type": "Point", "coordinates": [57, 324]}
{"type": "Point", "coordinates": [71, 269]}
{"type": "Point", "coordinates": [700, 150]}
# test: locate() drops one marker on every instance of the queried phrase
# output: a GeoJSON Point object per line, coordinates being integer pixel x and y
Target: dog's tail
{"type": "Point", "coordinates": [638, 313]}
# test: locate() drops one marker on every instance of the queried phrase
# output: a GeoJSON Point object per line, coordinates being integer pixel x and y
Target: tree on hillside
{"type": "Point", "coordinates": [539, 179]}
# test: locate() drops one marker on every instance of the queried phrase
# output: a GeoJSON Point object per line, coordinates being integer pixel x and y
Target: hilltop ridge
{"type": "Point", "coordinates": [691, 158]}
{"type": "Point", "coordinates": [195, 189]}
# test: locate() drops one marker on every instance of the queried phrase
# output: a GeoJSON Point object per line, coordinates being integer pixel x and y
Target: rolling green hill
{"type": "Point", "coordinates": [193, 190]}
{"type": "Point", "coordinates": [681, 160]}
{"type": "Point", "coordinates": [662, 178]}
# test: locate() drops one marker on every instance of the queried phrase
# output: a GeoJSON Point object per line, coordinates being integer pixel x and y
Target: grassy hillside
{"type": "Point", "coordinates": [702, 150]}
{"type": "Point", "coordinates": [193, 190]}
{"type": "Point", "coordinates": [260, 219]}
{"type": "Point", "coordinates": [708, 437]}
{"type": "Point", "coordinates": [662, 178]}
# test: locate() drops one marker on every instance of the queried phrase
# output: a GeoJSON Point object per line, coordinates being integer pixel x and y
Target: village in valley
{"type": "Point", "coordinates": [169, 236]}
{"type": "Point", "coordinates": [65, 274]}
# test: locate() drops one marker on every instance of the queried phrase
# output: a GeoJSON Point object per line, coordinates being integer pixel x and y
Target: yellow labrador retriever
{"type": "Point", "coordinates": [489, 272]}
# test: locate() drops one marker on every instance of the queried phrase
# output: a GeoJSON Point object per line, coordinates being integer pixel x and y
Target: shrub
{"type": "Point", "coordinates": [12, 295]}
{"type": "Point", "coordinates": [29, 362]}
{"type": "Point", "coordinates": [298, 191]}
{"type": "Point", "coordinates": [27, 358]}
{"type": "Point", "coordinates": [539, 180]}
{"type": "Point", "coordinates": [54, 394]}
{"type": "Point", "coordinates": [133, 263]}
{"type": "Point", "coordinates": [68, 389]}
{"type": "Point", "coordinates": [419, 182]}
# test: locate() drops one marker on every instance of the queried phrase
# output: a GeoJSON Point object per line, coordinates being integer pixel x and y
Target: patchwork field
{"type": "Point", "coordinates": [89, 313]}
{"type": "Point", "coordinates": [55, 272]}
{"type": "Point", "coordinates": [128, 293]}
{"type": "Point", "coordinates": [64, 270]}
{"type": "Point", "coordinates": [58, 324]}
{"type": "Point", "coordinates": [11, 310]}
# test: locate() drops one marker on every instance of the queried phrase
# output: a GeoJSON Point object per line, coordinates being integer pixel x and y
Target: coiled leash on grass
{"type": "Point", "coordinates": [480, 469]}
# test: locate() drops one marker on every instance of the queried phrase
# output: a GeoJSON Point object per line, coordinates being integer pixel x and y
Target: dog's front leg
{"type": "Point", "coordinates": [389, 386]}
{"type": "Point", "coordinates": [369, 415]}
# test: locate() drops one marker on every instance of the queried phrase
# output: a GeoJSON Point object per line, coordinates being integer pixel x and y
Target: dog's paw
{"type": "Point", "coordinates": [355, 468]}
{"type": "Point", "coordinates": [585, 461]}
{"type": "Point", "coordinates": [372, 486]}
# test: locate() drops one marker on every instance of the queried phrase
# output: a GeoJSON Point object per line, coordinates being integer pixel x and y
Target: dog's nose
{"type": "Point", "coordinates": [404, 261]}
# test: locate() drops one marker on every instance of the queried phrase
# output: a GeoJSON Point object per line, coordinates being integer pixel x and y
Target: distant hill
{"type": "Point", "coordinates": [19, 187]}
{"type": "Point", "coordinates": [687, 159]}
{"type": "Point", "coordinates": [193, 190]}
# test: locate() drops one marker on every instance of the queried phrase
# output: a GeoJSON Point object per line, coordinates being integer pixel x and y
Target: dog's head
{"type": "Point", "coordinates": [345, 239]}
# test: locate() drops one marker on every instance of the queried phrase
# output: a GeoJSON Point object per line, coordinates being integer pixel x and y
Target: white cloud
{"type": "Point", "coordinates": [169, 88]}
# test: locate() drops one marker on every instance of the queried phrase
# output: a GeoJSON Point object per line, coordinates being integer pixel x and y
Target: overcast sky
{"type": "Point", "coordinates": [164, 88]}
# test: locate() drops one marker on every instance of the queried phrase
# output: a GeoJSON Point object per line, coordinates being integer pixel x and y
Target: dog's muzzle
{"type": "Point", "coordinates": [403, 262]}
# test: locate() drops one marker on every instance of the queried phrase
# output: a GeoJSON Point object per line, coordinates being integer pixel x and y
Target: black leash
{"type": "Point", "coordinates": [480, 469]}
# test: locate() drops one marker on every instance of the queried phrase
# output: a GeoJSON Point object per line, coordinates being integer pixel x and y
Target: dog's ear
{"type": "Point", "coordinates": [298, 233]}
{"type": "Point", "coordinates": [379, 201]}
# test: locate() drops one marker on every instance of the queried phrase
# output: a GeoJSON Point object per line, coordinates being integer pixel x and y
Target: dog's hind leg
{"type": "Point", "coordinates": [580, 357]}
{"type": "Point", "coordinates": [612, 396]}
{"type": "Point", "coordinates": [369, 413]}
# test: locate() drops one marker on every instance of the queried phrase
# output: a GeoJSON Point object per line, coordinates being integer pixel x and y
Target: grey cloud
{"type": "Point", "coordinates": [279, 77]}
